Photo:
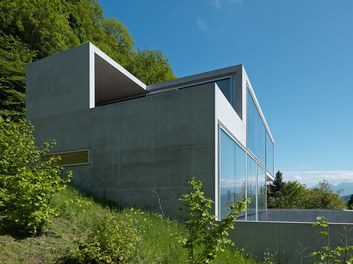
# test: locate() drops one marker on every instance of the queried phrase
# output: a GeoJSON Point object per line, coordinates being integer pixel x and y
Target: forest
{"type": "Point", "coordinates": [34, 29]}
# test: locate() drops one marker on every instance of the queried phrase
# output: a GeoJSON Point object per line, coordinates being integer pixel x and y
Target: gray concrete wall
{"type": "Point", "coordinates": [58, 84]}
{"type": "Point", "coordinates": [307, 215]}
{"type": "Point", "coordinates": [137, 146]}
{"type": "Point", "coordinates": [292, 242]}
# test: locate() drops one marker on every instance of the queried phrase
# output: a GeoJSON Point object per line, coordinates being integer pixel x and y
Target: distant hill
{"type": "Point", "coordinates": [346, 197]}
{"type": "Point", "coordinates": [345, 188]}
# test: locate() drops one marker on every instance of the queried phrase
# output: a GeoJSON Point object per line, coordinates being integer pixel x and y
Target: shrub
{"type": "Point", "coordinates": [26, 182]}
{"type": "Point", "coordinates": [113, 241]}
{"type": "Point", "coordinates": [205, 236]}
{"type": "Point", "coordinates": [340, 254]}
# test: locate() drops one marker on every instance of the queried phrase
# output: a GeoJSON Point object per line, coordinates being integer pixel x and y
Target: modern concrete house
{"type": "Point", "coordinates": [128, 142]}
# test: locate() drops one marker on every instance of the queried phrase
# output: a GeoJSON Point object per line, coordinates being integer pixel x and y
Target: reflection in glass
{"type": "Point", "coordinates": [240, 176]}
{"type": "Point", "coordinates": [256, 132]}
{"type": "Point", "coordinates": [232, 173]}
{"type": "Point", "coordinates": [227, 183]}
{"type": "Point", "coordinates": [261, 191]}
{"type": "Point", "coordinates": [251, 189]}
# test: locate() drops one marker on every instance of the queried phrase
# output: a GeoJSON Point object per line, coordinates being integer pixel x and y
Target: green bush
{"type": "Point", "coordinates": [205, 236]}
{"type": "Point", "coordinates": [26, 182]}
{"type": "Point", "coordinates": [328, 254]}
{"type": "Point", "coordinates": [113, 241]}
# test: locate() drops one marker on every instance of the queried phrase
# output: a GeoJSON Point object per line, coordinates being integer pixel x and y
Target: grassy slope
{"type": "Point", "coordinates": [78, 215]}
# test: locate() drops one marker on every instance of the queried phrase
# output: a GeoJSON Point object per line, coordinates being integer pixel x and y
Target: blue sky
{"type": "Point", "coordinates": [298, 55]}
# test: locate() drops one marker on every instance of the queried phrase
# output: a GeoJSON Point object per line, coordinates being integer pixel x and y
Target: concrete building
{"type": "Point", "coordinates": [128, 142]}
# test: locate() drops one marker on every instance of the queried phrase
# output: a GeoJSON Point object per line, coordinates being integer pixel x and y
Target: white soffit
{"type": "Point", "coordinates": [112, 81]}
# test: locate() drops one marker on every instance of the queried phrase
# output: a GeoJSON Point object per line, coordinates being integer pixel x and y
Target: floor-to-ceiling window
{"type": "Point", "coordinates": [256, 132]}
{"type": "Point", "coordinates": [240, 177]}
{"type": "Point", "coordinates": [243, 172]}
{"type": "Point", "coordinates": [232, 173]}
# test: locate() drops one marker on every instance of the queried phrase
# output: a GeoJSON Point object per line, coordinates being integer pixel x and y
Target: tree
{"type": "Point", "coordinates": [13, 58]}
{"type": "Point", "coordinates": [350, 203]}
{"type": "Point", "coordinates": [323, 197]}
{"type": "Point", "coordinates": [26, 182]}
{"type": "Point", "coordinates": [292, 194]}
{"type": "Point", "coordinates": [34, 29]}
{"type": "Point", "coordinates": [151, 66]}
{"type": "Point", "coordinates": [40, 24]}
{"type": "Point", "coordinates": [277, 184]}
{"type": "Point", "coordinates": [205, 237]}
{"type": "Point", "coordinates": [274, 190]}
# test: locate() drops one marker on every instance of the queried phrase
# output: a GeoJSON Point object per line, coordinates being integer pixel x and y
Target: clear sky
{"type": "Point", "coordinates": [298, 55]}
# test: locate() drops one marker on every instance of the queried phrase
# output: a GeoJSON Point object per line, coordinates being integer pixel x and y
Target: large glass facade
{"type": "Point", "coordinates": [258, 139]}
{"type": "Point", "coordinates": [240, 177]}
{"type": "Point", "coordinates": [232, 173]}
{"type": "Point", "coordinates": [243, 172]}
{"type": "Point", "coordinates": [256, 131]}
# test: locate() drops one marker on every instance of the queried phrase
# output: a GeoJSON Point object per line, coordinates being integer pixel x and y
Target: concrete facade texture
{"type": "Point", "coordinates": [132, 155]}
{"type": "Point", "coordinates": [288, 242]}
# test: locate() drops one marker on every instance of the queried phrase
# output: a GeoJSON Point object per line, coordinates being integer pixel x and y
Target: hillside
{"type": "Point", "coordinates": [344, 188]}
{"type": "Point", "coordinates": [78, 215]}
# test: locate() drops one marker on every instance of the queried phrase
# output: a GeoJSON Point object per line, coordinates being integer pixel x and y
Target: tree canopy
{"type": "Point", "coordinates": [34, 29]}
{"type": "Point", "coordinates": [294, 195]}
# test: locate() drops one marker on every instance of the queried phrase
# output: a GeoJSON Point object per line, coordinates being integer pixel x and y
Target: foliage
{"type": "Point", "coordinates": [113, 241]}
{"type": "Point", "coordinates": [151, 66]}
{"type": "Point", "coordinates": [34, 29]}
{"type": "Point", "coordinates": [269, 257]}
{"type": "Point", "coordinates": [328, 254]}
{"type": "Point", "coordinates": [276, 186]}
{"type": "Point", "coordinates": [323, 197]}
{"type": "Point", "coordinates": [293, 195]}
{"type": "Point", "coordinates": [77, 217]}
{"type": "Point", "coordinates": [203, 231]}
{"type": "Point", "coordinates": [27, 184]}
{"type": "Point", "coordinates": [13, 59]}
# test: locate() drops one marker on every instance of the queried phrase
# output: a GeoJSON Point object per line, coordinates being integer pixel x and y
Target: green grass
{"type": "Point", "coordinates": [78, 214]}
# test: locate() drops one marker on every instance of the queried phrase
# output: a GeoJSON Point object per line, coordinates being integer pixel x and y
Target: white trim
{"type": "Point", "coordinates": [92, 88]}
{"type": "Point", "coordinates": [217, 185]}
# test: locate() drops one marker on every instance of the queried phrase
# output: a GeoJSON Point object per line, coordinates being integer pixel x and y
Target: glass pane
{"type": "Point", "coordinates": [227, 177]}
{"type": "Point", "coordinates": [251, 189]}
{"type": "Point", "coordinates": [261, 191]}
{"type": "Point", "coordinates": [240, 176]}
{"type": "Point", "coordinates": [256, 132]}
{"type": "Point", "coordinates": [232, 173]}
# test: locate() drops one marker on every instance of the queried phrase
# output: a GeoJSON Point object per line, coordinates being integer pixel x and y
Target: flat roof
{"type": "Point", "coordinates": [194, 79]}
